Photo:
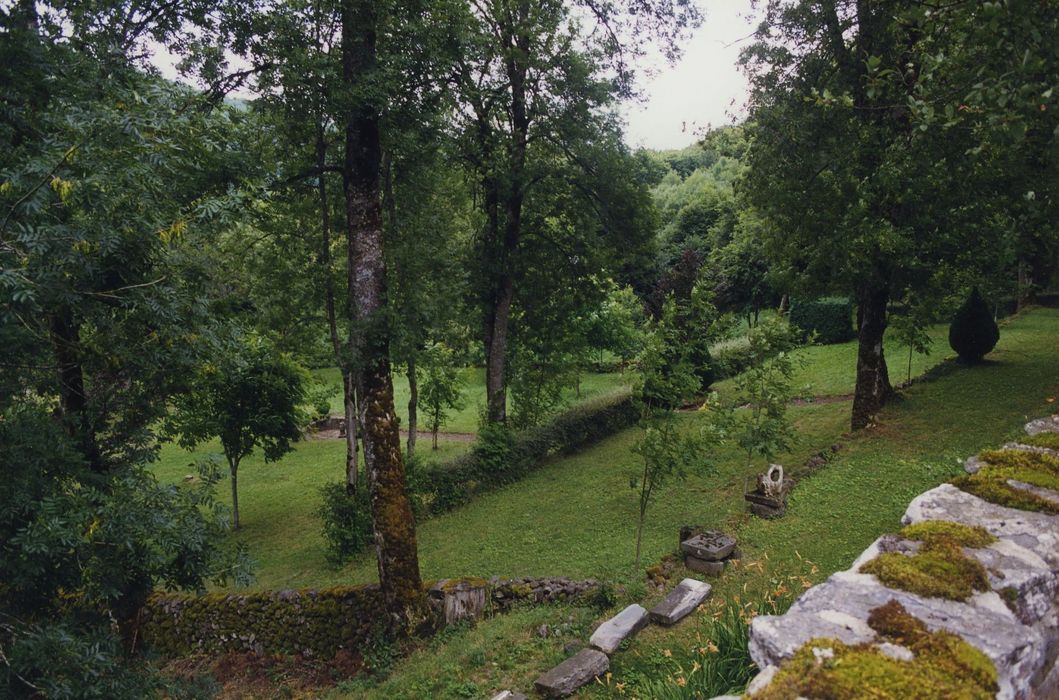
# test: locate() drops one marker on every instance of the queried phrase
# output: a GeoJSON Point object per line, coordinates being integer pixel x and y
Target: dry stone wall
{"type": "Point", "coordinates": [1013, 616]}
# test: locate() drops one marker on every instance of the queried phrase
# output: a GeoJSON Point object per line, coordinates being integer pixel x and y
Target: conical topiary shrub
{"type": "Point", "coordinates": [973, 332]}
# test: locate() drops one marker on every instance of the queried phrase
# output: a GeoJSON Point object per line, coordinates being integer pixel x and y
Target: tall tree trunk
{"type": "Point", "coordinates": [73, 400]}
{"type": "Point", "coordinates": [413, 407]}
{"type": "Point", "coordinates": [349, 402]}
{"type": "Point", "coordinates": [233, 468]}
{"type": "Point", "coordinates": [873, 387]}
{"type": "Point", "coordinates": [391, 511]}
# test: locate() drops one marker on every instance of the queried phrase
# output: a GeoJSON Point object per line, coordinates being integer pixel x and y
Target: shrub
{"type": "Point", "coordinates": [973, 332]}
{"type": "Point", "coordinates": [830, 318]}
{"type": "Point", "coordinates": [346, 521]}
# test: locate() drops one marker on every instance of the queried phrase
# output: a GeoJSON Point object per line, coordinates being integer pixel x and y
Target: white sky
{"type": "Point", "coordinates": [704, 89]}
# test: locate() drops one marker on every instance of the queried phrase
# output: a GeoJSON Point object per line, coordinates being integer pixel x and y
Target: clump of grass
{"type": "Point", "coordinates": [1048, 440]}
{"type": "Point", "coordinates": [719, 664]}
{"type": "Point", "coordinates": [939, 569]}
{"type": "Point", "coordinates": [944, 666]}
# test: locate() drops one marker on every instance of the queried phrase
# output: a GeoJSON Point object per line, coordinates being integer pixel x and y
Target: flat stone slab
{"type": "Point", "coordinates": [680, 602]}
{"type": "Point", "coordinates": [710, 545]}
{"type": "Point", "coordinates": [1048, 424]}
{"type": "Point", "coordinates": [564, 679]}
{"type": "Point", "coordinates": [609, 636]}
{"type": "Point", "coordinates": [509, 695]}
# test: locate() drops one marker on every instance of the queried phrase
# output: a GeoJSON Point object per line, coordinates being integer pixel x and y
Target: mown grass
{"type": "Point", "coordinates": [550, 522]}
{"type": "Point", "coordinates": [467, 418]}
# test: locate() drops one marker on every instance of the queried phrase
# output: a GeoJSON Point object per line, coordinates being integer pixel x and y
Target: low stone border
{"type": "Point", "coordinates": [1015, 623]}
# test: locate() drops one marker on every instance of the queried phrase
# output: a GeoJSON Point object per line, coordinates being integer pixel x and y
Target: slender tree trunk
{"type": "Point", "coordinates": [233, 468]}
{"type": "Point", "coordinates": [73, 399]}
{"type": "Point", "coordinates": [413, 407]}
{"type": "Point", "coordinates": [349, 401]}
{"type": "Point", "coordinates": [873, 387]}
{"type": "Point", "coordinates": [391, 511]}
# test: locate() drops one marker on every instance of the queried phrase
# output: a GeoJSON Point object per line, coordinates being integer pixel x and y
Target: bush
{"type": "Point", "coordinates": [830, 318]}
{"type": "Point", "coordinates": [346, 522]}
{"type": "Point", "coordinates": [973, 332]}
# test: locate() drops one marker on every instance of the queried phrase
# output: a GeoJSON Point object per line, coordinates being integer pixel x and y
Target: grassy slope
{"type": "Point", "coordinates": [466, 419]}
{"type": "Point", "coordinates": [834, 514]}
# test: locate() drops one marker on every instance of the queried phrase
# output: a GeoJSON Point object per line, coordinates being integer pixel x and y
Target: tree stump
{"type": "Point", "coordinates": [460, 598]}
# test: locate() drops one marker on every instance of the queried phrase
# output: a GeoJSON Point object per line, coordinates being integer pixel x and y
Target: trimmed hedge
{"type": "Point", "coordinates": [308, 622]}
{"type": "Point", "coordinates": [501, 457]}
{"type": "Point", "coordinates": [831, 318]}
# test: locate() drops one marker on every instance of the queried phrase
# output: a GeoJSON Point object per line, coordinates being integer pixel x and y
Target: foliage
{"type": "Point", "coordinates": [441, 387]}
{"type": "Point", "coordinates": [719, 662]}
{"type": "Point", "coordinates": [973, 332]}
{"type": "Point", "coordinates": [944, 665]}
{"type": "Point", "coordinates": [346, 520]}
{"type": "Point", "coordinates": [248, 396]}
{"type": "Point", "coordinates": [828, 320]}
{"type": "Point", "coordinates": [669, 374]}
{"type": "Point", "coordinates": [765, 388]}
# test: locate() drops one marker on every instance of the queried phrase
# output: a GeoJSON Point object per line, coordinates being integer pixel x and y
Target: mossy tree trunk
{"type": "Point", "coordinates": [413, 407]}
{"type": "Point", "coordinates": [392, 521]}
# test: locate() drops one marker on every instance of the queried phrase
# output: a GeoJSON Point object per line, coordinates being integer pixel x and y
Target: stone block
{"type": "Point", "coordinates": [681, 601]}
{"type": "Point", "coordinates": [609, 636]}
{"type": "Point", "coordinates": [567, 677]}
{"type": "Point", "coordinates": [710, 568]}
{"type": "Point", "coordinates": [1048, 424]}
{"type": "Point", "coordinates": [710, 545]}
{"type": "Point", "coordinates": [509, 695]}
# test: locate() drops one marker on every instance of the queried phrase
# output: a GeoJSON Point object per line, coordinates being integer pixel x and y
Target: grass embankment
{"type": "Point", "coordinates": [277, 501]}
{"type": "Point", "coordinates": [576, 517]}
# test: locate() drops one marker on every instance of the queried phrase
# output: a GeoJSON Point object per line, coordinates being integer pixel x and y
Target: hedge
{"type": "Point", "coordinates": [501, 458]}
{"type": "Point", "coordinates": [830, 318]}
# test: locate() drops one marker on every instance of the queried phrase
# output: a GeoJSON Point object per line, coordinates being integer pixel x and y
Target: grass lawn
{"type": "Point", "coordinates": [575, 517]}
{"type": "Point", "coordinates": [466, 419]}
{"type": "Point", "coordinates": [831, 370]}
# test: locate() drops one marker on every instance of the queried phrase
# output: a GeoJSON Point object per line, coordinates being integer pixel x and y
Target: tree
{"type": "Point", "coordinates": [248, 396]}
{"type": "Point", "coordinates": [973, 332]}
{"type": "Point", "coordinates": [532, 78]}
{"type": "Point", "coordinates": [858, 194]}
{"type": "Point", "coordinates": [441, 386]}
{"type": "Point", "coordinates": [668, 378]}
{"type": "Point", "coordinates": [108, 176]}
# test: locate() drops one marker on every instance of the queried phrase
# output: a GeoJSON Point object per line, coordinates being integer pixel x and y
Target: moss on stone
{"type": "Point", "coordinates": [1022, 460]}
{"type": "Point", "coordinates": [932, 531]}
{"type": "Point", "coordinates": [1010, 596]}
{"type": "Point", "coordinates": [995, 489]}
{"type": "Point", "coordinates": [1049, 440]}
{"type": "Point", "coordinates": [939, 569]}
{"type": "Point", "coordinates": [944, 666]}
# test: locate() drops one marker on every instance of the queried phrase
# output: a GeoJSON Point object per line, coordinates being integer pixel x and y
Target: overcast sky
{"type": "Point", "coordinates": [704, 89]}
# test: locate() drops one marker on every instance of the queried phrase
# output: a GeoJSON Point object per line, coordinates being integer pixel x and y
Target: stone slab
{"type": "Point", "coordinates": [1048, 424]}
{"type": "Point", "coordinates": [710, 568]}
{"type": "Point", "coordinates": [839, 608]}
{"type": "Point", "coordinates": [1037, 532]}
{"type": "Point", "coordinates": [711, 545]}
{"type": "Point", "coordinates": [681, 601]}
{"type": "Point", "coordinates": [609, 636]}
{"type": "Point", "coordinates": [567, 677]}
{"type": "Point", "coordinates": [509, 695]}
